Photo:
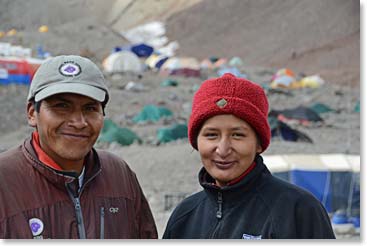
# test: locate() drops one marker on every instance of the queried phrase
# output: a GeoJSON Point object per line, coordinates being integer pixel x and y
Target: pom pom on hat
{"type": "Point", "coordinates": [230, 95]}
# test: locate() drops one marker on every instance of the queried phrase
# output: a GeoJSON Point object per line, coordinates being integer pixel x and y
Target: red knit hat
{"type": "Point", "coordinates": [230, 95]}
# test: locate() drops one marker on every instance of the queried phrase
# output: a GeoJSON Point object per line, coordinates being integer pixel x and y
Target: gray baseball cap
{"type": "Point", "coordinates": [68, 74]}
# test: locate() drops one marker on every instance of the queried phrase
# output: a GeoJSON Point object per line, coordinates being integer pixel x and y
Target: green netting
{"type": "Point", "coordinates": [113, 133]}
{"type": "Point", "coordinates": [169, 82]}
{"type": "Point", "coordinates": [152, 113]}
{"type": "Point", "coordinates": [172, 133]}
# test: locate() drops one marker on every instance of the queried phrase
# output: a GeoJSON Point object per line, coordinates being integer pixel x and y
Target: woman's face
{"type": "Point", "coordinates": [227, 146]}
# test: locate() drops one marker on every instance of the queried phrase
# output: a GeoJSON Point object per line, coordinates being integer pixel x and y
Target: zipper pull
{"type": "Point", "coordinates": [102, 224]}
{"type": "Point", "coordinates": [220, 202]}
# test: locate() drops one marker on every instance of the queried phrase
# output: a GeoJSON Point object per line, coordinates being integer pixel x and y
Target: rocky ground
{"type": "Point", "coordinates": [168, 172]}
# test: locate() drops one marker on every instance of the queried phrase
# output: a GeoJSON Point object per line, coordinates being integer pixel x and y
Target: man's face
{"type": "Point", "coordinates": [68, 126]}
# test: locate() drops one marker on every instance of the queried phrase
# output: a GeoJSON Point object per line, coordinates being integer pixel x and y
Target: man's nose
{"type": "Point", "coordinates": [77, 119]}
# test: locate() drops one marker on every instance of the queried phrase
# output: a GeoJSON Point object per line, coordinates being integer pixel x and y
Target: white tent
{"type": "Point", "coordinates": [122, 61]}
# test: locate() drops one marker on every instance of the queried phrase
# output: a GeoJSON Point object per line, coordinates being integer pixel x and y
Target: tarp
{"type": "Point", "coordinates": [285, 132]}
{"type": "Point", "coordinates": [231, 70]}
{"type": "Point", "coordinates": [113, 133]}
{"type": "Point", "coordinates": [151, 33]}
{"type": "Point", "coordinates": [298, 113]}
{"type": "Point", "coordinates": [321, 108]}
{"type": "Point", "coordinates": [18, 70]}
{"type": "Point", "coordinates": [122, 61]}
{"type": "Point", "coordinates": [152, 113]}
{"type": "Point", "coordinates": [172, 133]}
{"type": "Point", "coordinates": [186, 72]}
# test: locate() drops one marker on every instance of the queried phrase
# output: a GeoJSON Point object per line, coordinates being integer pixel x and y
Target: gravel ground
{"type": "Point", "coordinates": [168, 172]}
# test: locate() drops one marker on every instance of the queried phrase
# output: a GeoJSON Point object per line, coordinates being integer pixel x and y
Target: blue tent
{"type": "Point", "coordinates": [142, 50]}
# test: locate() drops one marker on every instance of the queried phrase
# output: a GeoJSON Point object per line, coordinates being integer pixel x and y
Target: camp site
{"type": "Point", "coordinates": [155, 55]}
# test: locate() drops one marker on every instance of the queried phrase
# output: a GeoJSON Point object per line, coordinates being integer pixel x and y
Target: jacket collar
{"type": "Point", "coordinates": [60, 178]}
{"type": "Point", "coordinates": [230, 192]}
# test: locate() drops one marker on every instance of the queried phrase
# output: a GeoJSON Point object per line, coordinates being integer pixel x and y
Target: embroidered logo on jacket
{"type": "Point", "coordinates": [36, 226]}
{"type": "Point", "coordinates": [251, 237]}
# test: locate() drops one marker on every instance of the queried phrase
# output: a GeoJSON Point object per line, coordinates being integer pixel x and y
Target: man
{"type": "Point", "coordinates": [56, 185]}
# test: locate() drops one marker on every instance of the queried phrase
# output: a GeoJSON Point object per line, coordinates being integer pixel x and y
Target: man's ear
{"type": "Point", "coordinates": [31, 114]}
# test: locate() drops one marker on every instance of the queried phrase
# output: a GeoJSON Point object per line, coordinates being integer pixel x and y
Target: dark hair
{"type": "Point", "coordinates": [37, 105]}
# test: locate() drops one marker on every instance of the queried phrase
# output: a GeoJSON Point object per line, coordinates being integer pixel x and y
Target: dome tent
{"type": "Point", "coordinates": [122, 61]}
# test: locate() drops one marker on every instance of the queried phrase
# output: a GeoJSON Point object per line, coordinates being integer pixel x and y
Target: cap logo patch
{"type": "Point", "coordinates": [70, 69]}
{"type": "Point", "coordinates": [36, 226]}
{"type": "Point", "coordinates": [221, 103]}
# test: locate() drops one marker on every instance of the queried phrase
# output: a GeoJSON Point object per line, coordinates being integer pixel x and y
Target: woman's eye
{"type": "Point", "coordinates": [238, 135]}
{"type": "Point", "coordinates": [210, 135]}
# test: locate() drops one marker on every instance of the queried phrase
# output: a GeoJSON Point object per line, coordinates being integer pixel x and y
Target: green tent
{"type": "Point", "coordinates": [113, 133]}
{"type": "Point", "coordinates": [169, 82]}
{"type": "Point", "coordinates": [152, 113]}
{"type": "Point", "coordinates": [172, 133]}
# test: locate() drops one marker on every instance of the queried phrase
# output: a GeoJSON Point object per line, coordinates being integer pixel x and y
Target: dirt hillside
{"type": "Point", "coordinates": [308, 36]}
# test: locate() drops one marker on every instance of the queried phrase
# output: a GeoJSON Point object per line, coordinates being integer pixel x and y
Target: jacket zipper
{"type": "Point", "coordinates": [220, 202]}
{"type": "Point", "coordinates": [78, 213]}
{"type": "Point", "coordinates": [219, 213]}
{"type": "Point", "coordinates": [102, 224]}
{"type": "Point", "coordinates": [78, 208]}
{"type": "Point", "coordinates": [79, 217]}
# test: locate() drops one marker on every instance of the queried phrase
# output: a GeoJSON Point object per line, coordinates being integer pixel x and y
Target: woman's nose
{"type": "Point", "coordinates": [224, 147]}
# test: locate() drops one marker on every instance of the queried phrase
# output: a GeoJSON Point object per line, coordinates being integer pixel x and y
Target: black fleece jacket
{"type": "Point", "coordinates": [260, 206]}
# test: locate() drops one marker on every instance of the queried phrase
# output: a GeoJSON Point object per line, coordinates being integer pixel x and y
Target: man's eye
{"type": "Point", "coordinates": [91, 108]}
{"type": "Point", "coordinates": [61, 105]}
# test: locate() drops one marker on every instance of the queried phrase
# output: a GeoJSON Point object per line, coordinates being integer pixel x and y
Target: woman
{"type": "Point", "coordinates": [241, 199]}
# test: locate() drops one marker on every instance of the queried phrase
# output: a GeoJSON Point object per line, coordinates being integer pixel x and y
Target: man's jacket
{"type": "Point", "coordinates": [260, 206]}
{"type": "Point", "coordinates": [39, 202]}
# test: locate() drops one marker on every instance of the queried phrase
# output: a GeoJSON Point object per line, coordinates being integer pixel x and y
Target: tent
{"type": "Point", "coordinates": [113, 133]}
{"type": "Point", "coordinates": [334, 179]}
{"type": "Point", "coordinates": [122, 61]}
{"type": "Point", "coordinates": [174, 63]}
{"type": "Point", "coordinates": [172, 133]}
{"type": "Point", "coordinates": [142, 50]}
{"type": "Point", "coordinates": [235, 62]}
{"type": "Point", "coordinates": [283, 81]}
{"type": "Point", "coordinates": [231, 70]}
{"type": "Point", "coordinates": [181, 66]}
{"type": "Point", "coordinates": [155, 61]}
{"type": "Point", "coordinates": [152, 113]}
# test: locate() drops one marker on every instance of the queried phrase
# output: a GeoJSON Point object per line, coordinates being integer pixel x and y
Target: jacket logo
{"type": "Point", "coordinates": [36, 226]}
{"type": "Point", "coordinates": [251, 237]}
{"type": "Point", "coordinates": [113, 210]}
